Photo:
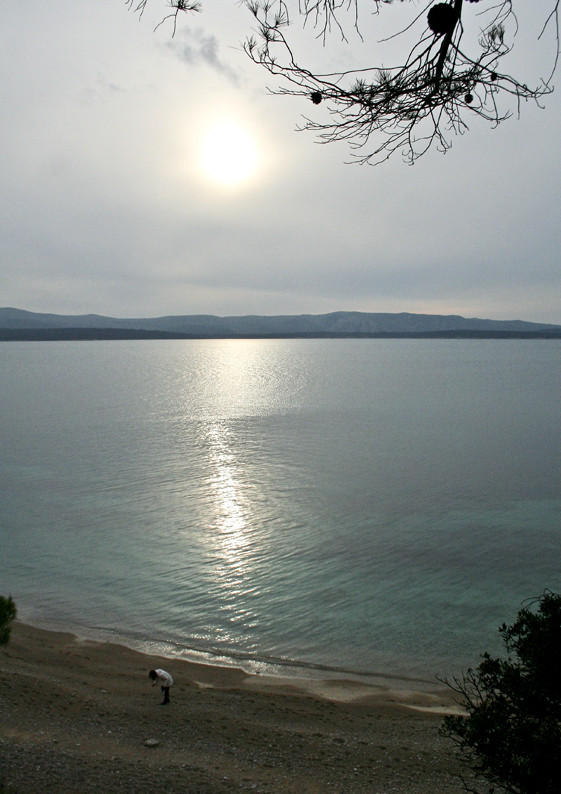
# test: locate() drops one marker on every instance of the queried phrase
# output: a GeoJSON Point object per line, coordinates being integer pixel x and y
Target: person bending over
{"type": "Point", "coordinates": [164, 680]}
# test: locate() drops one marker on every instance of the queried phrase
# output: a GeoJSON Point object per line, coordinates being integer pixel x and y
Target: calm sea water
{"type": "Point", "coordinates": [374, 505]}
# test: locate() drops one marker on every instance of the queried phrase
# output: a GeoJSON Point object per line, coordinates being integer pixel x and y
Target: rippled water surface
{"type": "Point", "coordinates": [365, 504]}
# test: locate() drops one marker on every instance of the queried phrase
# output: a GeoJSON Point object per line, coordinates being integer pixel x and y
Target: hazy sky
{"type": "Point", "coordinates": [112, 200]}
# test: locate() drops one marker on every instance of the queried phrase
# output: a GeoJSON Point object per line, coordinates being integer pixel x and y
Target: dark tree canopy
{"type": "Point", "coordinates": [447, 75]}
{"type": "Point", "coordinates": [511, 734]}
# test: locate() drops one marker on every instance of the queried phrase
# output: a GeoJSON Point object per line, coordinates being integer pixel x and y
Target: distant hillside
{"type": "Point", "coordinates": [20, 324]}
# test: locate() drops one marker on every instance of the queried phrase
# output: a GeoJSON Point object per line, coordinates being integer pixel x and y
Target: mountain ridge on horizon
{"type": "Point", "coordinates": [341, 323]}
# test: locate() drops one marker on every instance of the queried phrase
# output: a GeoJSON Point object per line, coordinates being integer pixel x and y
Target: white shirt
{"type": "Point", "coordinates": [164, 679]}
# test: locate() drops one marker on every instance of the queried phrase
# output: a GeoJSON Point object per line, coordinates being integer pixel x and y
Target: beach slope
{"type": "Point", "coordinates": [81, 716]}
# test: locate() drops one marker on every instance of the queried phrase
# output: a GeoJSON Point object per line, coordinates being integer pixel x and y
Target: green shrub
{"type": "Point", "coordinates": [511, 733]}
{"type": "Point", "coordinates": [7, 615]}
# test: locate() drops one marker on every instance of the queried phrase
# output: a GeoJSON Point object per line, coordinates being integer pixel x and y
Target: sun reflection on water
{"type": "Point", "coordinates": [230, 532]}
{"type": "Point", "coordinates": [226, 489]}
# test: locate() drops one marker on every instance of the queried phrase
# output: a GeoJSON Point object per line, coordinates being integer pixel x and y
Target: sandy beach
{"type": "Point", "coordinates": [81, 716]}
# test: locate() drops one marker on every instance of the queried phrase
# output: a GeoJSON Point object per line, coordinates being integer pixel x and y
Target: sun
{"type": "Point", "coordinates": [229, 154]}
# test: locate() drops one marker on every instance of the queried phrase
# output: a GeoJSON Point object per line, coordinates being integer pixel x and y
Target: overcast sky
{"type": "Point", "coordinates": [109, 204]}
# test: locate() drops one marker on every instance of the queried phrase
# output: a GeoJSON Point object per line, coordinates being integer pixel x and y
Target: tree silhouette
{"type": "Point", "coordinates": [7, 615]}
{"type": "Point", "coordinates": [511, 732]}
{"type": "Point", "coordinates": [447, 76]}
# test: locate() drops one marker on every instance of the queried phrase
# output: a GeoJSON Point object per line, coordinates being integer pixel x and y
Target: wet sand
{"type": "Point", "coordinates": [82, 716]}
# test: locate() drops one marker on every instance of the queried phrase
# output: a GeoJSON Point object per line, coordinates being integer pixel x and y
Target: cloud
{"type": "Point", "coordinates": [103, 207]}
{"type": "Point", "coordinates": [199, 47]}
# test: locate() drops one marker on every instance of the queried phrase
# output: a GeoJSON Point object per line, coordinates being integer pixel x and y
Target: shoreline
{"type": "Point", "coordinates": [80, 715]}
{"type": "Point", "coordinates": [322, 680]}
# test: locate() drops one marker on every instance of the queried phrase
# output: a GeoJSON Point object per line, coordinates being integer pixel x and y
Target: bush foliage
{"type": "Point", "coordinates": [7, 615]}
{"type": "Point", "coordinates": [511, 733]}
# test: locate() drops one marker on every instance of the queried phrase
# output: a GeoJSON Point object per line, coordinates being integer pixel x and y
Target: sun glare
{"type": "Point", "coordinates": [229, 156]}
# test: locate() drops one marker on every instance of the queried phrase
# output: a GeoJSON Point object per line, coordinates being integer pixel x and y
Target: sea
{"type": "Point", "coordinates": [334, 506]}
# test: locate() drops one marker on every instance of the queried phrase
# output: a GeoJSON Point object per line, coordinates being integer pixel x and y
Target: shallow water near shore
{"type": "Point", "coordinates": [338, 505]}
